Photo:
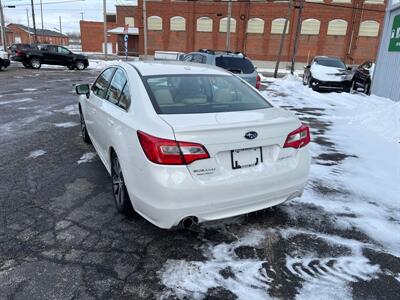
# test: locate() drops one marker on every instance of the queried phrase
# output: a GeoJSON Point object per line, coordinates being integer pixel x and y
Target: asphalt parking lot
{"type": "Point", "coordinates": [61, 237]}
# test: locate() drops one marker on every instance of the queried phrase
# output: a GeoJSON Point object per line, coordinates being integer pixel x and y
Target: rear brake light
{"type": "Point", "coordinates": [18, 53]}
{"type": "Point", "coordinates": [170, 152]}
{"type": "Point", "coordinates": [298, 138]}
{"type": "Point", "coordinates": [258, 82]}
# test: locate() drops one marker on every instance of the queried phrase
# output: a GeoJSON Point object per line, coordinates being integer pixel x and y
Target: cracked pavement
{"type": "Point", "coordinates": [62, 238]}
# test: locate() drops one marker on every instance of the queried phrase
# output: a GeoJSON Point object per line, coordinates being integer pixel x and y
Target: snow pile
{"type": "Point", "coordinates": [367, 130]}
{"type": "Point", "coordinates": [99, 64]}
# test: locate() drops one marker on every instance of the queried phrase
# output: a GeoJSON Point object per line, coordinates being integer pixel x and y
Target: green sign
{"type": "Point", "coordinates": [394, 44]}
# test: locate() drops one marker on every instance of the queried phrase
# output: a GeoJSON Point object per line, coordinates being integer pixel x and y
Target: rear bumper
{"type": "Point", "coordinates": [165, 198]}
{"type": "Point", "coordinates": [331, 85]}
{"type": "Point", "coordinates": [5, 62]}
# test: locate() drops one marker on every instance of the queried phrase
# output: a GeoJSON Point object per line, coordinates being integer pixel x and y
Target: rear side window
{"type": "Point", "coordinates": [191, 94]}
{"type": "Point", "coordinates": [237, 65]}
{"type": "Point", "coordinates": [125, 99]}
{"type": "Point", "coordinates": [116, 86]}
{"type": "Point", "coordinates": [198, 58]}
{"type": "Point", "coordinates": [101, 85]}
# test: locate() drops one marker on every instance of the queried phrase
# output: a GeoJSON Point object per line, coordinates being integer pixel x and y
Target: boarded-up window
{"type": "Point", "coordinates": [277, 26]}
{"type": "Point", "coordinates": [204, 24]}
{"type": "Point", "coordinates": [154, 23]}
{"type": "Point", "coordinates": [337, 27]}
{"type": "Point", "coordinates": [255, 25]}
{"type": "Point", "coordinates": [223, 25]}
{"type": "Point", "coordinates": [130, 21]}
{"type": "Point", "coordinates": [369, 28]}
{"type": "Point", "coordinates": [310, 26]}
{"type": "Point", "coordinates": [177, 24]}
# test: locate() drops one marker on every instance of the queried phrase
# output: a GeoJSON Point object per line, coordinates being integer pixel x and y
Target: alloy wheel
{"type": "Point", "coordinates": [80, 65]}
{"type": "Point", "coordinates": [119, 189]}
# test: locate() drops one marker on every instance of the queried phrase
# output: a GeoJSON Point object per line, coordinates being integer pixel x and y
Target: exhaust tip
{"type": "Point", "coordinates": [189, 222]}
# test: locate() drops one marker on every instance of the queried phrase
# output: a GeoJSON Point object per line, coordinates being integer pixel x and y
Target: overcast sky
{"type": "Point", "coordinates": [70, 12]}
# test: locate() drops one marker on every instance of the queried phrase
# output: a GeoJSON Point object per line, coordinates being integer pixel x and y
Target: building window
{"type": "Point", "coordinates": [223, 25]}
{"type": "Point", "coordinates": [255, 25]}
{"type": "Point", "coordinates": [337, 27]}
{"type": "Point", "coordinates": [314, 0]}
{"type": "Point", "coordinates": [154, 23]}
{"type": "Point", "coordinates": [130, 21]}
{"type": "Point", "coordinates": [369, 28]}
{"type": "Point", "coordinates": [177, 24]}
{"type": "Point", "coordinates": [277, 26]}
{"type": "Point", "coordinates": [204, 24]}
{"type": "Point", "coordinates": [374, 1]}
{"type": "Point", "coordinates": [310, 26]}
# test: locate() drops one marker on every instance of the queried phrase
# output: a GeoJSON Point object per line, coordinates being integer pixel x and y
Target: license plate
{"type": "Point", "coordinates": [245, 158]}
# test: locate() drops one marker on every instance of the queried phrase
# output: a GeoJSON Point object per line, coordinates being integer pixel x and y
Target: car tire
{"type": "Point", "coordinates": [79, 65]}
{"type": "Point", "coordinates": [310, 81]}
{"type": "Point", "coordinates": [120, 193]}
{"type": "Point", "coordinates": [35, 63]}
{"type": "Point", "coordinates": [367, 88]}
{"type": "Point", "coordinates": [304, 80]}
{"type": "Point", "coordinates": [84, 132]}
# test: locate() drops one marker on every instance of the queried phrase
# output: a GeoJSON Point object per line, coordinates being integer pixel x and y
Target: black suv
{"type": "Point", "coordinates": [34, 57]}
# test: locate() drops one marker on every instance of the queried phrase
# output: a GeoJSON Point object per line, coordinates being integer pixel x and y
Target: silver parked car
{"type": "Point", "coordinates": [235, 62]}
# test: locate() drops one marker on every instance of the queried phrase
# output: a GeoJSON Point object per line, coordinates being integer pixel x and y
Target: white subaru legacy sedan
{"type": "Point", "coordinates": [191, 143]}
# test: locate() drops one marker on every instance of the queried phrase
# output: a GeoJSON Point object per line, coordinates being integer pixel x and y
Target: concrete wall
{"type": "Point", "coordinates": [386, 82]}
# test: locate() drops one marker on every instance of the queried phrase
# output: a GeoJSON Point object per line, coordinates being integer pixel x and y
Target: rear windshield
{"type": "Point", "coordinates": [329, 62]}
{"type": "Point", "coordinates": [237, 65]}
{"type": "Point", "coordinates": [192, 94]}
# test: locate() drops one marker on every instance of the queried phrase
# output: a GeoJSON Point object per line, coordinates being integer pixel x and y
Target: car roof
{"type": "Point", "coordinates": [149, 68]}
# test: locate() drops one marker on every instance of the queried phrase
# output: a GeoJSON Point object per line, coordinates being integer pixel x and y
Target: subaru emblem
{"type": "Point", "coordinates": [251, 135]}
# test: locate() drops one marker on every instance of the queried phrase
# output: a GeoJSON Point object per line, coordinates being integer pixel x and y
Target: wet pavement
{"type": "Point", "coordinates": [62, 238]}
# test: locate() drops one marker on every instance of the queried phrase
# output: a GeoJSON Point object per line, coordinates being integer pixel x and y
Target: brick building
{"type": "Point", "coordinates": [24, 34]}
{"type": "Point", "coordinates": [348, 29]}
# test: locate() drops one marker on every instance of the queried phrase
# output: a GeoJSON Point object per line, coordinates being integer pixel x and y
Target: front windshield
{"type": "Point", "coordinates": [329, 62]}
{"type": "Point", "coordinates": [190, 94]}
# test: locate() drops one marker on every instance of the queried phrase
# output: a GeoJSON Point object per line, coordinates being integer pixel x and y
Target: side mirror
{"type": "Point", "coordinates": [307, 67]}
{"type": "Point", "coordinates": [83, 89]}
{"type": "Point", "coordinates": [349, 68]}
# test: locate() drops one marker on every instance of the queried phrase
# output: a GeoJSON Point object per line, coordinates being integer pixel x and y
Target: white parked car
{"type": "Point", "coordinates": [191, 143]}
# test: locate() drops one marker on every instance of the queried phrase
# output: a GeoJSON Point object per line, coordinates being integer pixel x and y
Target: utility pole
{"type": "Point", "coordinates": [34, 23]}
{"type": "Point", "coordinates": [228, 26]}
{"type": "Point", "coordinates": [60, 25]}
{"type": "Point", "coordinates": [105, 28]}
{"type": "Point", "coordinates": [283, 38]}
{"type": "Point", "coordinates": [41, 12]}
{"type": "Point", "coordinates": [82, 16]}
{"type": "Point", "coordinates": [29, 32]}
{"type": "Point", "coordinates": [296, 38]}
{"type": "Point", "coordinates": [145, 29]}
{"type": "Point", "coordinates": [3, 28]}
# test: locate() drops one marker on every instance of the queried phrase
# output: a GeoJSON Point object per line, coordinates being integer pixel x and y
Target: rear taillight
{"type": "Point", "coordinates": [258, 82]}
{"type": "Point", "coordinates": [170, 152]}
{"type": "Point", "coordinates": [18, 53]}
{"type": "Point", "coordinates": [298, 138]}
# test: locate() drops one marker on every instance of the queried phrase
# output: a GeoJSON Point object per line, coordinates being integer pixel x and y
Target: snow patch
{"type": "Point", "coordinates": [29, 90]}
{"type": "Point", "coordinates": [66, 124]}
{"type": "Point", "coordinates": [368, 129]}
{"type": "Point", "coordinates": [69, 109]}
{"type": "Point", "coordinates": [193, 279]}
{"type": "Point", "coordinates": [16, 101]}
{"type": "Point", "coordinates": [36, 153]}
{"type": "Point", "coordinates": [87, 157]}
